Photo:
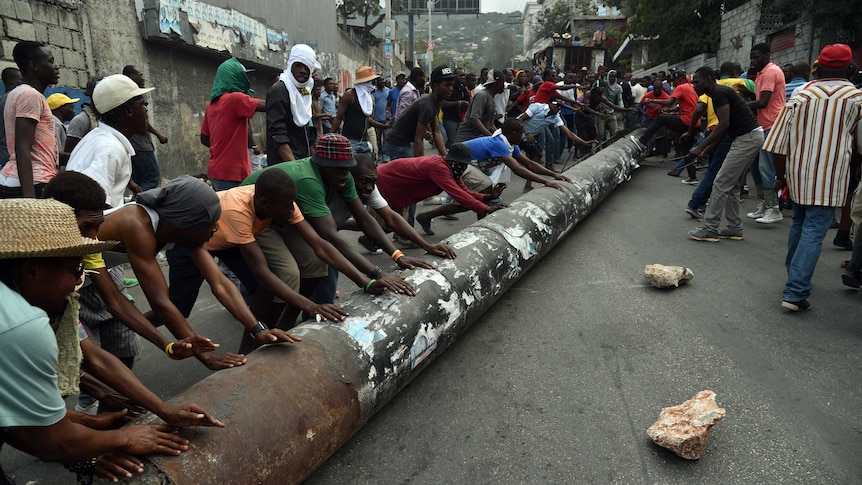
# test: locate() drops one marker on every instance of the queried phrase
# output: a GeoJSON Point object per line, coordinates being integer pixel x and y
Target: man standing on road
{"type": "Point", "coordinates": [11, 80]}
{"type": "Point", "coordinates": [289, 135]}
{"type": "Point", "coordinates": [420, 118]}
{"type": "Point", "coordinates": [33, 157]}
{"type": "Point", "coordinates": [328, 103]}
{"type": "Point", "coordinates": [412, 90]}
{"type": "Point", "coordinates": [105, 154]}
{"type": "Point", "coordinates": [815, 137]}
{"type": "Point", "coordinates": [770, 99]}
{"type": "Point", "coordinates": [737, 121]}
{"type": "Point", "coordinates": [480, 114]}
{"type": "Point", "coordinates": [455, 107]}
{"type": "Point", "coordinates": [145, 167]}
{"type": "Point", "coordinates": [224, 129]}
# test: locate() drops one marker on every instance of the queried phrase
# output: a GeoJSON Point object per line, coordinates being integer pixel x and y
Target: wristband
{"type": "Point", "coordinates": [368, 285]}
{"type": "Point", "coordinates": [397, 254]}
{"type": "Point", "coordinates": [375, 273]}
{"type": "Point", "coordinates": [260, 327]}
{"type": "Point", "coordinates": [169, 351]}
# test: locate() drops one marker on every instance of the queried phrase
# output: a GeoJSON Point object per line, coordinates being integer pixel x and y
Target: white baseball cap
{"type": "Point", "coordinates": [114, 90]}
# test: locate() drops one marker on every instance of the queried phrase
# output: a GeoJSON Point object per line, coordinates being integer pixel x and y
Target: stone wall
{"type": "Point", "coordinates": [738, 33]}
{"type": "Point", "coordinates": [58, 23]}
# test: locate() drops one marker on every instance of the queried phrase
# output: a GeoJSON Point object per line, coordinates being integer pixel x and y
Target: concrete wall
{"type": "Point", "coordinates": [689, 65]}
{"type": "Point", "coordinates": [59, 24]}
{"type": "Point", "coordinates": [806, 46]}
{"type": "Point", "coordinates": [739, 33]}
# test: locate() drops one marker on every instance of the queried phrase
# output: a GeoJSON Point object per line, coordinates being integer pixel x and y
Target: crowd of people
{"type": "Point", "coordinates": [268, 241]}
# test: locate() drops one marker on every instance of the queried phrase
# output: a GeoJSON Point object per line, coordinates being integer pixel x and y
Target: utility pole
{"type": "Point", "coordinates": [430, 51]}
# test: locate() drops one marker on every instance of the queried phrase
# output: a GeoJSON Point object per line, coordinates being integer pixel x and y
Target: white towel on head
{"type": "Point", "coordinates": [363, 95]}
{"type": "Point", "coordinates": [300, 104]}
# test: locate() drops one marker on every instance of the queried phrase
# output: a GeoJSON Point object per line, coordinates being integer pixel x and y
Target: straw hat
{"type": "Point", "coordinates": [36, 228]}
{"type": "Point", "coordinates": [364, 74]}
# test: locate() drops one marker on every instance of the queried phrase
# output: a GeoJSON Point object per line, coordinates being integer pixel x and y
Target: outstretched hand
{"type": "Point", "coordinates": [192, 346]}
{"type": "Point", "coordinates": [408, 262]}
{"type": "Point", "coordinates": [190, 415]}
{"type": "Point", "coordinates": [227, 360]}
{"type": "Point", "coordinates": [442, 250]}
{"type": "Point", "coordinates": [115, 466]}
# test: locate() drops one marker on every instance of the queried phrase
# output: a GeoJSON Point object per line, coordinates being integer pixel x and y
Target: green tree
{"type": "Point", "coordinates": [684, 28]}
{"type": "Point", "coordinates": [556, 17]}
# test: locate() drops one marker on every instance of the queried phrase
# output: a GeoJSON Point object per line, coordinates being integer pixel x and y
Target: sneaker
{"type": "Point", "coordinates": [796, 306]}
{"type": "Point", "coordinates": [638, 143]}
{"type": "Point", "coordinates": [91, 409]}
{"type": "Point", "coordinates": [842, 240]}
{"type": "Point", "coordinates": [733, 234]}
{"type": "Point", "coordinates": [761, 208]}
{"type": "Point", "coordinates": [690, 181]}
{"type": "Point", "coordinates": [674, 173]}
{"type": "Point", "coordinates": [701, 165]}
{"type": "Point", "coordinates": [130, 282]}
{"type": "Point", "coordinates": [744, 192]}
{"type": "Point", "coordinates": [851, 280]}
{"type": "Point", "coordinates": [694, 213]}
{"type": "Point", "coordinates": [704, 234]}
{"type": "Point", "coordinates": [770, 216]}
{"type": "Point", "coordinates": [369, 245]}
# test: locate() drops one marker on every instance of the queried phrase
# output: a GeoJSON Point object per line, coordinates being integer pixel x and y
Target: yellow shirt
{"type": "Point", "coordinates": [711, 118]}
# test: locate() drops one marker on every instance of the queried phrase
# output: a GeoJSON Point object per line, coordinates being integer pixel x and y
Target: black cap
{"type": "Point", "coordinates": [493, 77]}
{"type": "Point", "coordinates": [460, 153]}
{"type": "Point", "coordinates": [442, 72]}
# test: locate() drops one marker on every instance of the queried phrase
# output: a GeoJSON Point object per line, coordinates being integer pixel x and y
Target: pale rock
{"type": "Point", "coordinates": [661, 276]}
{"type": "Point", "coordinates": [684, 429]}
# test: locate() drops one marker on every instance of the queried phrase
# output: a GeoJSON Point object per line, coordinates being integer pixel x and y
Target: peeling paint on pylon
{"type": "Point", "coordinates": [292, 406]}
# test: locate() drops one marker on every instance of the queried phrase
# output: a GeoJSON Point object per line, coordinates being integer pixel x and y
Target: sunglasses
{"type": "Point", "coordinates": [78, 271]}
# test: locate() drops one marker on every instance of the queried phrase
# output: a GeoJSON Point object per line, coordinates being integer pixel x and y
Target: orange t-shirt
{"type": "Point", "coordinates": [771, 78]}
{"type": "Point", "coordinates": [238, 225]}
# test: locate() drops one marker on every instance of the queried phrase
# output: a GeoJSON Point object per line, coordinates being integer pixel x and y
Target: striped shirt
{"type": "Point", "coordinates": [818, 130]}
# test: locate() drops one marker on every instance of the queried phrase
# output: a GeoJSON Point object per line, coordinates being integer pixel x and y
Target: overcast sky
{"type": "Point", "coordinates": [504, 6]}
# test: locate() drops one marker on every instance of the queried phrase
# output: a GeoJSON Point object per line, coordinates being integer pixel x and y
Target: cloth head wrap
{"type": "Point", "coordinates": [300, 93]}
{"type": "Point", "coordinates": [230, 78]}
{"type": "Point", "coordinates": [457, 168]}
{"type": "Point", "coordinates": [364, 96]}
{"type": "Point", "coordinates": [185, 203]}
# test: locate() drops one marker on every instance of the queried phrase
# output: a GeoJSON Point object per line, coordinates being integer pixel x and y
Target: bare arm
{"type": "Point", "coordinates": [162, 138]}
{"type": "Point", "coordinates": [438, 138]}
{"type": "Point", "coordinates": [348, 98]}
{"type": "Point", "coordinates": [400, 226]}
{"type": "Point", "coordinates": [25, 135]}
{"type": "Point", "coordinates": [760, 102]}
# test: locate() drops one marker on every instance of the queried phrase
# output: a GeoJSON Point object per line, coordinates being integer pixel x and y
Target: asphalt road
{"type": "Point", "coordinates": [559, 381]}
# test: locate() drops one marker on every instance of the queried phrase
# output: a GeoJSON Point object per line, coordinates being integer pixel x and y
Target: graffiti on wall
{"type": "Point", "coordinates": [220, 28]}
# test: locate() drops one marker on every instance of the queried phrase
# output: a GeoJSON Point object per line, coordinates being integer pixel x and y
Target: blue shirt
{"type": "Point", "coordinates": [793, 84]}
{"type": "Point", "coordinates": [487, 151]}
{"type": "Point", "coordinates": [539, 117]}
{"type": "Point", "coordinates": [327, 106]}
{"type": "Point", "coordinates": [380, 98]}
{"type": "Point", "coordinates": [393, 99]}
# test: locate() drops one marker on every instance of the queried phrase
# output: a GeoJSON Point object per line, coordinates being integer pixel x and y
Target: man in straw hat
{"type": "Point", "coordinates": [355, 111]}
{"type": "Point", "coordinates": [40, 265]}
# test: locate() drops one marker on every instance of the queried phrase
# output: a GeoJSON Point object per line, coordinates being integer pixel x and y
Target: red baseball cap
{"type": "Point", "coordinates": [835, 55]}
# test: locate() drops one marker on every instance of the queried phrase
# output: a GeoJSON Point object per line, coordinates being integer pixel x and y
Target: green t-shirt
{"type": "Point", "coordinates": [312, 195]}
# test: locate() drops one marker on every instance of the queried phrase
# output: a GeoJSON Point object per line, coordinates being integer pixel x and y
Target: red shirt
{"type": "Point", "coordinates": [406, 181]}
{"type": "Point", "coordinates": [546, 90]}
{"type": "Point", "coordinates": [226, 124]}
{"type": "Point", "coordinates": [653, 110]}
{"type": "Point", "coordinates": [687, 100]}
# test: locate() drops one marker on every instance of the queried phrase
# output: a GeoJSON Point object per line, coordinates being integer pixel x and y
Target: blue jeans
{"type": "Point", "coordinates": [325, 291]}
{"type": "Point", "coordinates": [220, 185]}
{"type": "Point", "coordinates": [704, 189]}
{"type": "Point", "coordinates": [145, 170]}
{"type": "Point", "coordinates": [395, 152]}
{"type": "Point", "coordinates": [767, 174]}
{"type": "Point", "coordinates": [809, 226]}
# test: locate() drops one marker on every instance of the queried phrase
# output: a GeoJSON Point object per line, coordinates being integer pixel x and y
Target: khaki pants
{"type": "Point", "coordinates": [288, 255]}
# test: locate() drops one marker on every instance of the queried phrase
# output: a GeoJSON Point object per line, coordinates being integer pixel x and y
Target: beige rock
{"type": "Point", "coordinates": [684, 429]}
{"type": "Point", "coordinates": [661, 276]}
